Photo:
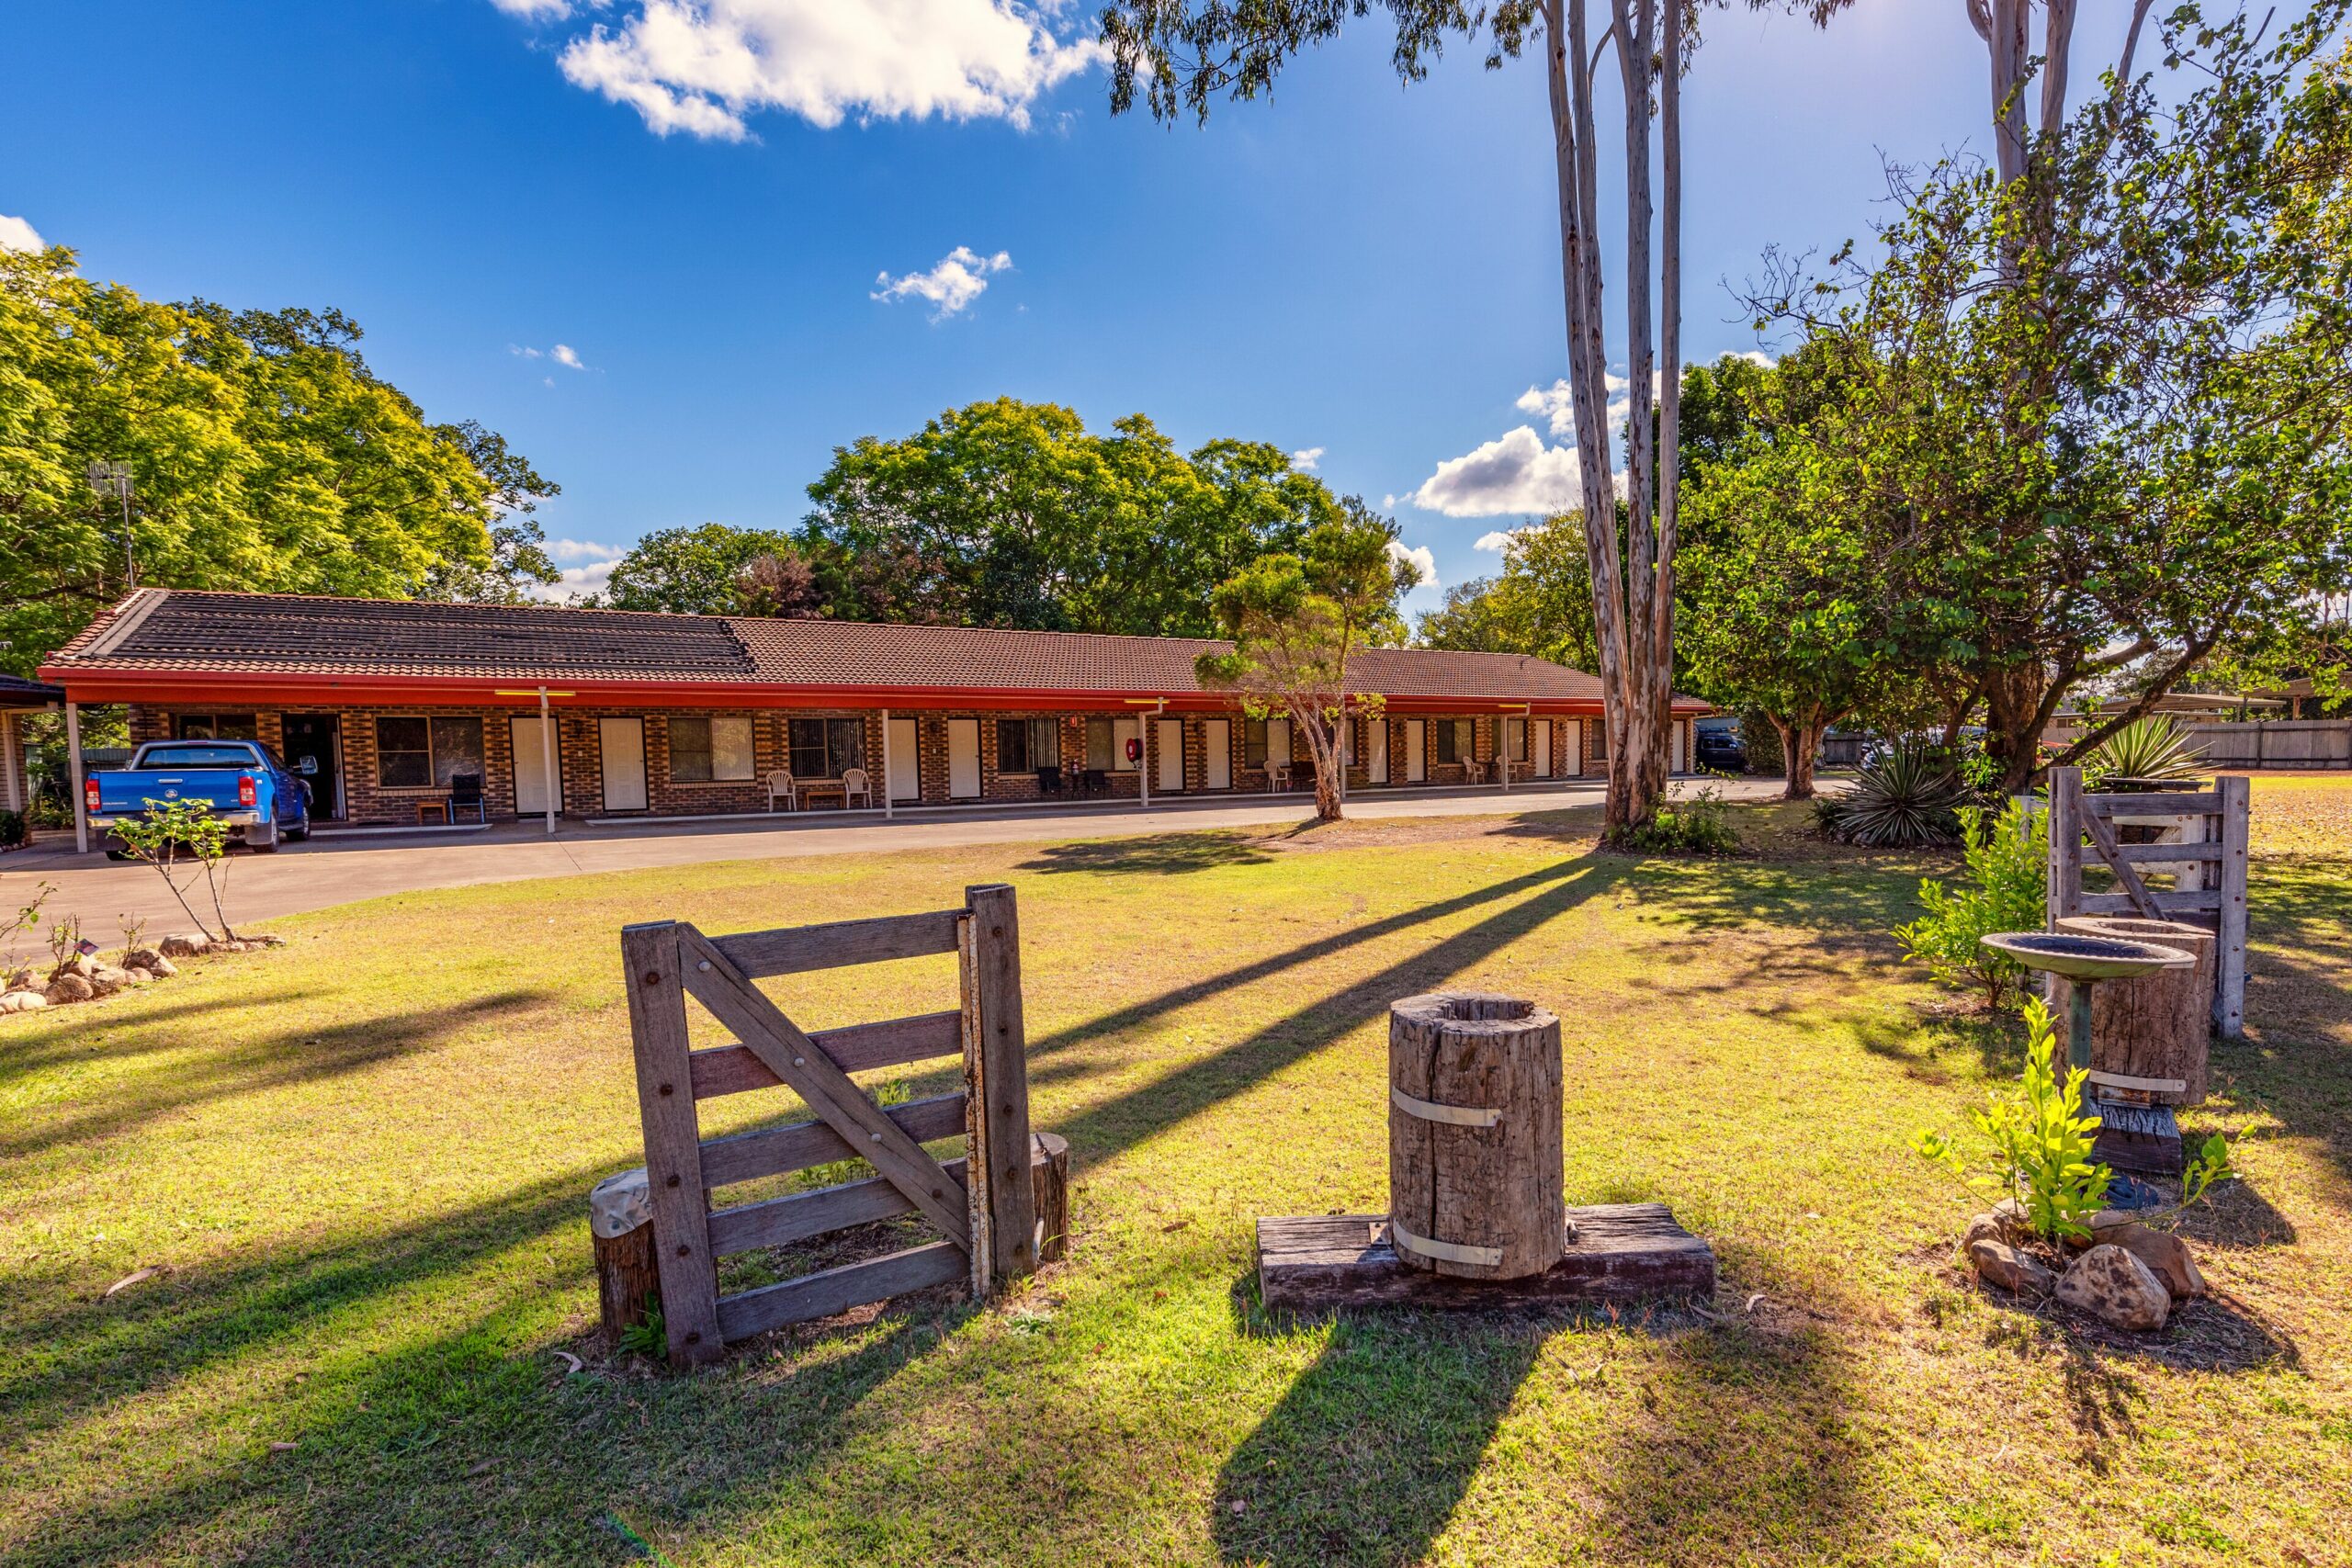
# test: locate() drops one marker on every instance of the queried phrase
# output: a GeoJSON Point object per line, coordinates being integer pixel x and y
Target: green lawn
{"type": "Point", "coordinates": [362, 1163]}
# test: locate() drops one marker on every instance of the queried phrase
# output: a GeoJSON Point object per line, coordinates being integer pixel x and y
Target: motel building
{"type": "Point", "coordinates": [400, 713]}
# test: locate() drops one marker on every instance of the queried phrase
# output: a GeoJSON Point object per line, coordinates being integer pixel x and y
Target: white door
{"type": "Point", "coordinates": [1677, 728]}
{"type": "Point", "coordinates": [1543, 748]}
{"type": "Point", "coordinates": [964, 759]}
{"type": "Point", "coordinates": [1417, 751]}
{"type": "Point", "coordinates": [1277, 742]}
{"type": "Point", "coordinates": [906, 772]}
{"type": "Point", "coordinates": [622, 743]}
{"type": "Point", "coordinates": [1376, 742]}
{"type": "Point", "coordinates": [1171, 741]}
{"type": "Point", "coordinates": [1217, 740]}
{"type": "Point", "coordinates": [1572, 751]}
{"type": "Point", "coordinates": [531, 768]}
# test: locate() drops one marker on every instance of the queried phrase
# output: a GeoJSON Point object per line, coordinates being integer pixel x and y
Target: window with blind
{"type": "Point", "coordinates": [424, 753]}
{"type": "Point", "coordinates": [711, 749]}
{"type": "Point", "coordinates": [827, 748]}
{"type": "Point", "coordinates": [216, 727]}
{"type": "Point", "coordinates": [1098, 745]}
{"type": "Point", "coordinates": [1025, 745]}
{"type": "Point", "coordinates": [1253, 742]}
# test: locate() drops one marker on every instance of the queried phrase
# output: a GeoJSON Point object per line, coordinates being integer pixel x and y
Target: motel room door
{"type": "Point", "coordinates": [1376, 742]}
{"type": "Point", "coordinates": [1542, 753]}
{"type": "Point", "coordinates": [1171, 741]}
{"type": "Point", "coordinates": [313, 753]}
{"type": "Point", "coordinates": [621, 741]}
{"type": "Point", "coordinates": [906, 762]}
{"type": "Point", "coordinates": [1216, 741]}
{"type": "Point", "coordinates": [531, 768]}
{"type": "Point", "coordinates": [1417, 751]}
{"type": "Point", "coordinates": [964, 759]}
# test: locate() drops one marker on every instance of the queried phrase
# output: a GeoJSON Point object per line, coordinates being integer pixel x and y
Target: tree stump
{"type": "Point", "coordinates": [1049, 1179]}
{"type": "Point", "coordinates": [620, 1222]}
{"type": "Point", "coordinates": [2158, 1027]}
{"type": "Point", "coordinates": [1474, 1135]}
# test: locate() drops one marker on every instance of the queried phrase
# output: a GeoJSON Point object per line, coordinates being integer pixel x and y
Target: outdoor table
{"type": "Point", "coordinates": [810, 787]}
{"type": "Point", "coordinates": [425, 806]}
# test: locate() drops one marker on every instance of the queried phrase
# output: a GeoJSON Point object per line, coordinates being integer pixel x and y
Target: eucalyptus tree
{"type": "Point", "coordinates": [1183, 54]}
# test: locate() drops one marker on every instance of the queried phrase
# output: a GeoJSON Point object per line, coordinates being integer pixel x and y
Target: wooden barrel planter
{"type": "Point", "coordinates": [2153, 1031]}
{"type": "Point", "coordinates": [1474, 1135]}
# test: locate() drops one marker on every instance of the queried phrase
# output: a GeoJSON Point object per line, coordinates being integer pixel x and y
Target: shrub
{"type": "Point", "coordinates": [14, 829]}
{"type": "Point", "coordinates": [1908, 799]}
{"type": "Point", "coordinates": [2152, 747]}
{"type": "Point", "coordinates": [1699, 824]}
{"type": "Point", "coordinates": [2007, 855]}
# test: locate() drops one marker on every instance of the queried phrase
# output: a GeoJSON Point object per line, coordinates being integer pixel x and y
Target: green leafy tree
{"type": "Point", "coordinates": [265, 453]}
{"type": "Point", "coordinates": [1296, 620]}
{"type": "Point", "coordinates": [1539, 603]}
{"type": "Point", "coordinates": [170, 834]}
{"type": "Point", "coordinates": [2007, 854]}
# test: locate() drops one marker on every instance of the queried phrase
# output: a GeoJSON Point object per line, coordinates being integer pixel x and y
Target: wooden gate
{"type": "Point", "coordinates": [2205, 851]}
{"type": "Point", "coordinates": [982, 1206]}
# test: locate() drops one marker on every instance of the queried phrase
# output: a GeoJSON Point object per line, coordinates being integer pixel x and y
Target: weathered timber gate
{"type": "Point", "coordinates": [2205, 851]}
{"type": "Point", "coordinates": [983, 1205]}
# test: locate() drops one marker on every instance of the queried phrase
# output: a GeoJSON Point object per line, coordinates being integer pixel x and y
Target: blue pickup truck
{"type": "Point", "coordinates": [242, 781]}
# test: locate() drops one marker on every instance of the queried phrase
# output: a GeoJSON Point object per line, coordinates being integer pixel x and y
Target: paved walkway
{"type": "Point", "coordinates": [340, 868]}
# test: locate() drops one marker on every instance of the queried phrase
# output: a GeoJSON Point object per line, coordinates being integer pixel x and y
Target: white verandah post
{"type": "Point", "coordinates": [546, 756]}
{"type": "Point", "coordinates": [886, 814]}
{"type": "Point", "coordinates": [73, 758]}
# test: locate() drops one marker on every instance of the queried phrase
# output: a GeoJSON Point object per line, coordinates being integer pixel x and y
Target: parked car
{"type": "Point", "coordinates": [1719, 745]}
{"type": "Point", "coordinates": [242, 781]}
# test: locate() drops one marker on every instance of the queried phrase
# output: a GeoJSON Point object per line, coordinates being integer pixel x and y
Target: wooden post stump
{"type": "Point", "coordinates": [1049, 1179]}
{"type": "Point", "coordinates": [1475, 1176]}
{"type": "Point", "coordinates": [621, 1219]}
{"type": "Point", "coordinates": [2157, 1029]}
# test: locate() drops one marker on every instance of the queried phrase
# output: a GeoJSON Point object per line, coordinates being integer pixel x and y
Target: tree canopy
{"type": "Point", "coordinates": [263, 452]}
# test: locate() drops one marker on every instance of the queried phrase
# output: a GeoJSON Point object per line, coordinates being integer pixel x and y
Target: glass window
{"type": "Point", "coordinates": [1465, 740]}
{"type": "Point", "coordinates": [1446, 751]}
{"type": "Point", "coordinates": [196, 754]}
{"type": "Point", "coordinates": [1253, 742]}
{"type": "Point", "coordinates": [826, 748]}
{"type": "Point", "coordinates": [704, 749]}
{"type": "Point", "coordinates": [218, 726]}
{"type": "Point", "coordinates": [1026, 745]}
{"type": "Point", "coordinates": [1515, 738]}
{"type": "Point", "coordinates": [419, 753]}
{"type": "Point", "coordinates": [1098, 744]}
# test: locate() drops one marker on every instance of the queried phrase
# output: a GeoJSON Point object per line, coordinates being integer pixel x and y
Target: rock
{"type": "Point", "coordinates": [137, 976]}
{"type": "Point", "coordinates": [80, 964]}
{"type": "Point", "coordinates": [19, 980]}
{"type": "Point", "coordinates": [2165, 1255]}
{"type": "Point", "coordinates": [21, 1001]}
{"type": "Point", "coordinates": [154, 962]}
{"type": "Point", "coordinates": [70, 989]}
{"type": "Point", "coordinates": [2001, 1264]}
{"type": "Point", "coordinates": [105, 978]}
{"type": "Point", "coordinates": [2118, 1289]}
{"type": "Point", "coordinates": [187, 945]}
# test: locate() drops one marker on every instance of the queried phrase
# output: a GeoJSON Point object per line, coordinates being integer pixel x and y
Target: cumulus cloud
{"type": "Point", "coordinates": [535, 10]}
{"type": "Point", "coordinates": [1514, 473]}
{"type": "Point", "coordinates": [1498, 541]}
{"type": "Point", "coordinates": [702, 67]}
{"type": "Point", "coordinates": [1423, 561]}
{"type": "Point", "coordinates": [590, 569]}
{"type": "Point", "coordinates": [15, 234]}
{"type": "Point", "coordinates": [564, 354]}
{"type": "Point", "coordinates": [1555, 403]}
{"type": "Point", "coordinates": [961, 277]}
{"type": "Point", "coordinates": [1306, 458]}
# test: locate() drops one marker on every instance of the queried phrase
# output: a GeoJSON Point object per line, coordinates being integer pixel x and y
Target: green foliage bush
{"type": "Point", "coordinates": [1698, 824]}
{"type": "Point", "coordinates": [2153, 749]}
{"type": "Point", "coordinates": [2041, 1142]}
{"type": "Point", "coordinates": [2006, 855]}
{"type": "Point", "coordinates": [1906, 799]}
{"type": "Point", "coordinates": [13, 829]}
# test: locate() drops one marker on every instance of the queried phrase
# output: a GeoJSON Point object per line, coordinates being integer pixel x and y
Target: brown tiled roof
{"type": "Point", "coordinates": [180, 631]}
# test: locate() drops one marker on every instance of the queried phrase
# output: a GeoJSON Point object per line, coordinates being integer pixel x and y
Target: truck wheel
{"type": "Point", "coordinates": [300, 831]}
{"type": "Point", "coordinates": [265, 845]}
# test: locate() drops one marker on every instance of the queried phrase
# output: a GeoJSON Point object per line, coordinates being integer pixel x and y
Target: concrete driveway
{"type": "Point", "coordinates": [338, 868]}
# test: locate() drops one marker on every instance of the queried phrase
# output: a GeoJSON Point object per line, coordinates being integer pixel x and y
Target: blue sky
{"type": "Point", "coordinates": [701, 202]}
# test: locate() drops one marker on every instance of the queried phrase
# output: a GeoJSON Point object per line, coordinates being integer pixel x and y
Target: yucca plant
{"type": "Point", "coordinates": [2154, 748]}
{"type": "Point", "coordinates": [1908, 798]}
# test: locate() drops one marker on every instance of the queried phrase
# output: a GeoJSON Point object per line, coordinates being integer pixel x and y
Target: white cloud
{"type": "Point", "coordinates": [15, 234]}
{"type": "Point", "coordinates": [589, 570]}
{"type": "Point", "coordinates": [525, 352]}
{"type": "Point", "coordinates": [961, 277]}
{"type": "Point", "coordinates": [1756, 358]}
{"type": "Point", "coordinates": [1498, 541]}
{"type": "Point", "coordinates": [1421, 559]}
{"type": "Point", "coordinates": [1515, 473]}
{"type": "Point", "coordinates": [1388, 501]}
{"type": "Point", "coordinates": [1306, 458]}
{"type": "Point", "coordinates": [703, 66]}
{"type": "Point", "coordinates": [582, 550]}
{"type": "Point", "coordinates": [535, 10]}
{"type": "Point", "coordinates": [1558, 409]}
{"type": "Point", "coordinates": [562, 354]}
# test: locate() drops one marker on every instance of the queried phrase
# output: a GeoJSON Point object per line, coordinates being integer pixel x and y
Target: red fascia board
{"type": "Point", "coordinates": [84, 686]}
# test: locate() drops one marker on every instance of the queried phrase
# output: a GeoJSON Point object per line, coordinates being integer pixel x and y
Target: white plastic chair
{"type": "Point", "coordinates": [854, 785]}
{"type": "Point", "coordinates": [780, 785]}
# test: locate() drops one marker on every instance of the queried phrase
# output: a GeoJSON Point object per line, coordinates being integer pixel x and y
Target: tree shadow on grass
{"type": "Point", "coordinates": [22, 1054]}
{"type": "Point", "coordinates": [1158, 854]}
{"type": "Point", "coordinates": [244, 1064]}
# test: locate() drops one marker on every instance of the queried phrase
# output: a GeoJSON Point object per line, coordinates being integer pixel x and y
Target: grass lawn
{"type": "Point", "coordinates": [361, 1164]}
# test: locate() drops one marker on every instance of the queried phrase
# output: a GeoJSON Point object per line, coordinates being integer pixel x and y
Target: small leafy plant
{"type": "Point", "coordinates": [1699, 824]}
{"type": "Point", "coordinates": [170, 833]}
{"type": "Point", "coordinates": [2154, 748]}
{"type": "Point", "coordinates": [2006, 853]}
{"type": "Point", "coordinates": [2041, 1142]}
{"type": "Point", "coordinates": [651, 1337]}
{"type": "Point", "coordinates": [1906, 799]}
{"type": "Point", "coordinates": [890, 1092]}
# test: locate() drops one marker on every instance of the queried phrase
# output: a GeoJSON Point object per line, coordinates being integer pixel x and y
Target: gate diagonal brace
{"type": "Point", "coordinates": [789, 1053]}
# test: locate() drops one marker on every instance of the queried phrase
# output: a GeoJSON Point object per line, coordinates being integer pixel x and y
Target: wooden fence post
{"type": "Point", "coordinates": [1004, 1244]}
{"type": "Point", "coordinates": [2066, 846]}
{"type": "Point", "coordinates": [2229, 957]}
{"type": "Point", "coordinates": [657, 1017]}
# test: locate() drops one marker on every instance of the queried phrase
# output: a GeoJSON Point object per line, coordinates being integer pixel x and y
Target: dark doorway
{"type": "Point", "coordinates": [310, 754]}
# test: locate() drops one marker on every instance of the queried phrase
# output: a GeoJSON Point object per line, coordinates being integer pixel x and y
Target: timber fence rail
{"type": "Point", "coordinates": [984, 1206]}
